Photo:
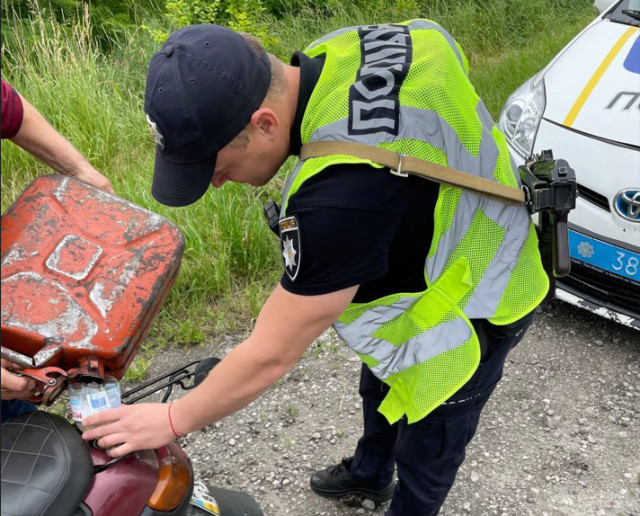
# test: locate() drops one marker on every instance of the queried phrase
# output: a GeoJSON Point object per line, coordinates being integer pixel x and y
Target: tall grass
{"type": "Point", "coordinates": [506, 41]}
{"type": "Point", "coordinates": [231, 259]}
{"type": "Point", "coordinates": [92, 99]}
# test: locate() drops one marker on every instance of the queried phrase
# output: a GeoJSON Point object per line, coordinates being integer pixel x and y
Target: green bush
{"type": "Point", "coordinates": [242, 15]}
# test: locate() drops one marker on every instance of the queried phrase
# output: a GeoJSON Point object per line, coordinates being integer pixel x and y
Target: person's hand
{"type": "Point", "coordinates": [129, 428]}
{"type": "Point", "coordinates": [15, 387]}
{"type": "Point", "coordinates": [39, 138]}
{"type": "Point", "coordinates": [90, 175]}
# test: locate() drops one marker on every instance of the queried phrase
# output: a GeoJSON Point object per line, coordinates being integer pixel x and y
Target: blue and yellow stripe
{"type": "Point", "coordinates": [595, 78]}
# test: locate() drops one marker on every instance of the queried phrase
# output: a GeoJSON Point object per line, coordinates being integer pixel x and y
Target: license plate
{"type": "Point", "coordinates": [610, 258]}
{"type": "Point", "coordinates": [202, 498]}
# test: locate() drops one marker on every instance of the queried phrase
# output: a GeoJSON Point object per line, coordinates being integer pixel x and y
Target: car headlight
{"type": "Point", "coordinates": [521, 115]}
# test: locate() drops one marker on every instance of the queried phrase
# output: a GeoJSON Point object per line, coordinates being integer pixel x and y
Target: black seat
{"type": "Point", "coordinates": [46, 466]}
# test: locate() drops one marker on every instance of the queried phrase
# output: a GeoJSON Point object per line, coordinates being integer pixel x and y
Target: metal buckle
{"type": "Point", "coordinates": [399, 171]}
{"type": "Point", "coordinates": [527, 195]}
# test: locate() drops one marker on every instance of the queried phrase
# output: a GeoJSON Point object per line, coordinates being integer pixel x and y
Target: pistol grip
{"type": "Point", "coordinates": [563, 260]}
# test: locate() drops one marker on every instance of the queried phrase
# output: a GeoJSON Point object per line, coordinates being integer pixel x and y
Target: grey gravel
{"type": "Point", "coordinates": [560, 436]}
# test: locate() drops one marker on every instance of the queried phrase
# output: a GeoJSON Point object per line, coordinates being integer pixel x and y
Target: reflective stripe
{"type": "Point", "coordinates": [515, 167]}
{"type": "Point", "coordinates": [450, 239]}
{"type": "Point", "coordinates": [503, 215]}
{"type": "Point", "coordinates": [429, 127]}
{"type": "Point", "coordinates": [488, 293]}
{"type": "Point", "coordinates": [287, 186]}
{"type": "Point", "coordinates": [394, 359]}
{"type": "Point", "coordinates": [413, 25]}
{"type": "Point", "coordinates": [332, 35]}
{"type": "Point", "coordinates": [495, 278]}
{"type": "Point", "coordinates": [359, 331]}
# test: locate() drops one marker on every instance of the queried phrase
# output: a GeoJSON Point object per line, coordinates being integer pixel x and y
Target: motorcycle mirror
{"type": "Point", "coordinates": [203, 368]}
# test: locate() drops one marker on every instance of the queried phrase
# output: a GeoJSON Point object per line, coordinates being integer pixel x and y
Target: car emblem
{"type": "Point", "coordinates": [155, 132]}
{"type": "Point", "coordinates": [627, 204]}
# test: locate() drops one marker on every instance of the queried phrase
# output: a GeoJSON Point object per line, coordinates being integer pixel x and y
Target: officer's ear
{"type": "Point", "coordinates": [266, 122]}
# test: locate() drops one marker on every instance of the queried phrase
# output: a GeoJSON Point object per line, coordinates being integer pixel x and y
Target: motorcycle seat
{"type": "Point", "coordinates": [46, 466]}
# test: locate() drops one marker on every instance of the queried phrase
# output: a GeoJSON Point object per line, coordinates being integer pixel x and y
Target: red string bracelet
{"type": "Point", "coordinates": [171, 423]}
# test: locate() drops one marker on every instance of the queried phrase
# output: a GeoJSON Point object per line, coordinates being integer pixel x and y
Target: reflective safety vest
{"type": "Point", "coordinates": [404, 87]}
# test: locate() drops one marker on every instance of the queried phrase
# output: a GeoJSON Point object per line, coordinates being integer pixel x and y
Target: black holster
{"type": "Point", "coordinates": [550, 189]}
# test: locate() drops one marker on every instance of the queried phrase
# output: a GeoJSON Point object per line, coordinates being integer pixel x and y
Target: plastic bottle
{"type": "Point", "coordinates": [86, 398]}
{"type": "Point", "coordinates": [77, 402]}
{"type": "Point", "coordinates": [113, 391]}
{"type": "Point", "coordinates": [96, 397]}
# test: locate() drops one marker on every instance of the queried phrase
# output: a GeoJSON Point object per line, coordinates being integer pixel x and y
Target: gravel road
{"type": "Point", "coordinates": [560, 436]}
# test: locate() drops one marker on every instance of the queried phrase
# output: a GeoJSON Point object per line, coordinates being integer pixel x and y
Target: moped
{"type": "Point", "coordinates": [83, 275]}
{"type": "Point", "coordinates": [47, 469]}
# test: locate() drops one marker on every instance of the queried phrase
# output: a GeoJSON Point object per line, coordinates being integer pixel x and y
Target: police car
{"type": "Point", "coordinates": [585, 106]}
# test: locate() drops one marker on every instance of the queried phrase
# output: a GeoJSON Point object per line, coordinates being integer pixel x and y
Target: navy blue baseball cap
{"type": "Point", "coordinates": [202, 88]}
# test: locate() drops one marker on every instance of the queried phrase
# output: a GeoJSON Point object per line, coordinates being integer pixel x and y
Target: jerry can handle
{"type": "Point", "coordinates": [50, 380]}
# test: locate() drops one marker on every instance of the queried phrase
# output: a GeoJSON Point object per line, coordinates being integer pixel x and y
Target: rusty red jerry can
{"type": "Point", "coordinates": [83, 275]}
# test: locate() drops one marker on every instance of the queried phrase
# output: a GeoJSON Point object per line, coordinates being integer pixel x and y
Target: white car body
{"type": "Point", "coordinates": [585, 106]}
{"type": "Point", "coordinates": [602, 5]}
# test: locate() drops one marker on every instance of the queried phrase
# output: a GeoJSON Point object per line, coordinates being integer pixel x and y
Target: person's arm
{"type": "Point", "coordinates": [14, 387]}
{"type": "Point", "coordinates": [39, 138]}
{"type": "Point", "coordinates": [287, 325]}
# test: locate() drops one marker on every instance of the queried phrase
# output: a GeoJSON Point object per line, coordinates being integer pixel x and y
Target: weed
{"type": "Point", "coordinates": [189, 333]}
{"type": "Point", "coordinates": [325, 347]}
{"type": "Point", "coordinates": [138, 369]}
{"type": "Point", "coordinates": [61, 407]}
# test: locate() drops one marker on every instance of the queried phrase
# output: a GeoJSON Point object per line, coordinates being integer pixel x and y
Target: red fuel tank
{"type": "Point", "coordinates": [84, 269]}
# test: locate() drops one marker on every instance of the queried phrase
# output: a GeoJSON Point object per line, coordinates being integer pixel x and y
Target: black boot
{"type": "Point", "coordinates": [336, 481]}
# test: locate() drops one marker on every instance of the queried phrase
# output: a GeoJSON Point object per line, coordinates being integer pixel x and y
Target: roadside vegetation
{"type": "Point", "coordinates": [84, 66]}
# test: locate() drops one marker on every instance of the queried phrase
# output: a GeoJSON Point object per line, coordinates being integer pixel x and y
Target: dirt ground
{"type": "Point", "coordinates": [560, 436]}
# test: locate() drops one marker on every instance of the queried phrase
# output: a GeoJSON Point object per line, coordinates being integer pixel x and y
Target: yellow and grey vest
{"type": "Point", "coordinates": [404, 87]}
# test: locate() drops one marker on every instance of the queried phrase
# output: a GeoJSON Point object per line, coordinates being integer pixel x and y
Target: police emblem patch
{"type": "Point", "coordinates": [290, 244]}
{"type": "Point", "coordinates": [155, 132]}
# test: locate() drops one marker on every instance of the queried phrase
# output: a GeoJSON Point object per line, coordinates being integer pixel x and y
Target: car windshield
{"type": "Point", "coordinates": [627, 12]}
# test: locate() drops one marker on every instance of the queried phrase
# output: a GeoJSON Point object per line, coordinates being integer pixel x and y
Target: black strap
{"type": "Point", "coordinates": [272, 214]}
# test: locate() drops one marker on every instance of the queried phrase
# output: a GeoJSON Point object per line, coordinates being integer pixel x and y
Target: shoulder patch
{"type": "Point", "coordinates": [290, 245]}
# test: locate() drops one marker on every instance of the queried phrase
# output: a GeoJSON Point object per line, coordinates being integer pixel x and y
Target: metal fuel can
{"type": "Point", "coordinates": [85, 270]}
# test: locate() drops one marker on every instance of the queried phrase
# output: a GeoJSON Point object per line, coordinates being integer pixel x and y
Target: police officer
{"type": "Point", "coordinates": [430, 285]}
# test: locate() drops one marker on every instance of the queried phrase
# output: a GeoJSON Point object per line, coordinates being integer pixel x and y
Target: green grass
{"type": "Point", "coordinates": [231, 260]}
{"type": "Point", "coordinates": [138, 369]}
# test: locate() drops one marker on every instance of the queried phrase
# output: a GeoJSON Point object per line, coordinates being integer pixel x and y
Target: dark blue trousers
{"type": "Point", "coordinates": [427, 453]}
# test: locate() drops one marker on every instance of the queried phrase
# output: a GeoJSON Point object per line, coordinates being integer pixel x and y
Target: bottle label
{"type": "Point", "coordinates": [89, 398]}
{"type": "Point", "coordinates": [97, 401]}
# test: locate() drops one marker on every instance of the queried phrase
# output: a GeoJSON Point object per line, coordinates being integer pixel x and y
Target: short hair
{"type": "Point", "coordinates": [277, 72]}
{"type": "Point", "coordinates": [276, 87]}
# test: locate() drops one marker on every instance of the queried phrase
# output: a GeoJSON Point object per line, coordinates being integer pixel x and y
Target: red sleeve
{"type": "Point", "coordinates": [10, 112]}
